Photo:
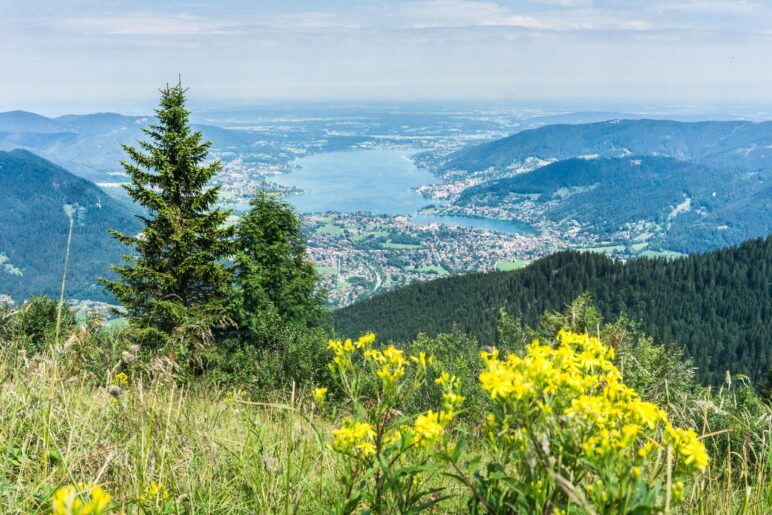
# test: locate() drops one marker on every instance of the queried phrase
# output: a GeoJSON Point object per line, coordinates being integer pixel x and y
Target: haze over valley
{"type": "Point", "coordinates": [392, 194]}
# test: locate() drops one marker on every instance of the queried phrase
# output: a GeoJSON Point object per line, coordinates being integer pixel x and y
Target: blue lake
{"type": "Point", "coordinates": [378, 181]}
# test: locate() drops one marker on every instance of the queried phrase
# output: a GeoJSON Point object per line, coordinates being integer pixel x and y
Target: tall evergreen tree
{"type": "Point", "coordinates": [274, 271]}
{"type": "Point", "coordinates": [175, 274]}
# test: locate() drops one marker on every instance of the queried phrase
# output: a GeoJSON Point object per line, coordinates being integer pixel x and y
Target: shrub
{"type": "Point", "coordinates": [566, 431]}
{"type": "Point", "coordinates": [387, 456]}
{"type": "Point", "coordinates": [37, 322]}
{"type": "Point", "coordinates": [275, 355]}
{"type": "Point", "coordinates": [458, 355]}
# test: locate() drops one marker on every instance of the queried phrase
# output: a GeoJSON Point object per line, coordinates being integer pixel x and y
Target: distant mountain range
{"type": "Point", "coordinates": [739, 144]}
{"type": "Point", "coordinates": [90, 145]}
{"type": "Point", "coordinates": [717, 305]}
{"type": "Point", "coordinates": [681, 186]}
{"type": "Point", "coordinates": [36, 199]}
{"type": "Point", "coordinates": [694, 207]}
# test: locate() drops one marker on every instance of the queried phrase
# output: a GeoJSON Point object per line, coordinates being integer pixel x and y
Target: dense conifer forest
{"type": "Point", "coordinates": [717, 305]}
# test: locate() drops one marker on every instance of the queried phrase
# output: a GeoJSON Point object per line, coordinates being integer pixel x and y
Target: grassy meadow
{"type": "Point", "coordinates": [158, 445]}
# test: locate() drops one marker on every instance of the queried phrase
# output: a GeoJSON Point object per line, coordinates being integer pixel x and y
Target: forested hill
{"type": "Point", "coordinates": [738, 143]}
{"type": "Point", "coordinates": [718, 305]}
{"type": "Point", "coordinates": [90, 145]}
{"type": "Point", "coordinates": [35, 199]}
{"type": "Point", "coordinates": [696, 207]}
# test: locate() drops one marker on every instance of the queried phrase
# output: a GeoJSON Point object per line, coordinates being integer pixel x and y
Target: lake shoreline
{"type": "Point", "coordinates": [376, 181]}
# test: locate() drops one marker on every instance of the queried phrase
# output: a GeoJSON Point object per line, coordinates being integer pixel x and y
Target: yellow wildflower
{"type": "Point", "coordinates": [365, 341]}
{"type": "Point", "coordinates": [121, 379]}
{"type": "Point", "coordinates": [69, 500]}
{"type": "Point", "coordinates": [497, 379]}
{"type": "Point", "coordinates": [395, 356]}
{"type": "Point", "coordinates": [319, 394]}
{"type": "Point", "coordinates": [376, 356]}
{"type": "Point", "coordinates": [422, 360]}
{"type": "Point", "coordinates": [443, 379]}
{"type": "Point", "coordinates": [427, 429]}
{"type": "Point", "coordinates": [155, 492]}
{"type": "Point", "coordinates": [343, 351]}
{"type": "Point", "coordinates": [389, 376]}
{"type": "Point", "coordinates": [365, 448]}
{"type": "Point", "coordinates": [645, 412]}
{"type": "Point", "coordinates": [686, 444]}
{"type": "Point", "coordinates": [354, 437]}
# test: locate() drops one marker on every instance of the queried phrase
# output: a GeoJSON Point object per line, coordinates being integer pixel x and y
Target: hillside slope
{"type": "Point", "coordinates": [738, 143]}
{"type": "Point", "coordinates": [718, 305]}
{"type": "Point", "coordinates": [90, 145]}
{"type": "Point", "coordinates": [687, 206]}
{"type": "Point", "coordinates": [35, 197]}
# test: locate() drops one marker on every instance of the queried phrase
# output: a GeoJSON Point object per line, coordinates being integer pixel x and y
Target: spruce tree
{"type": "Point", "coordinates": [175, 274]}
{"type": "Point", "coordinates": [274, 272]}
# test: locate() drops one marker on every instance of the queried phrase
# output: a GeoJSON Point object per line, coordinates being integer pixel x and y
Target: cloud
{"type": "Point", "coordinates": [709, 6]}
{"type": "Point", "coordinates": [170, 25]}
{"type": "Point", "coordinates": [399, 48]}
{"type": "Point", "coordinates": [434, 14]}
{"type": "Point", "coordinates": [143, 24]}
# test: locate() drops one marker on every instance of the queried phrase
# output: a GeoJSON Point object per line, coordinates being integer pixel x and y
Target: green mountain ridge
{"type": "Point", "coordinates": [717, 305]}
{"type": "Point", "coordinates": [737, 143]}
{"type": "Point", "coordinates": [36, 197]}
{"type": "Point", "coordinates": [90, 145]}
{"type": "Point", "coordinates": [696, 207]}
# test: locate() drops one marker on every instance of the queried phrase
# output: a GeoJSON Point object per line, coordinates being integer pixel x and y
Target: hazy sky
{"type": "Point", "coordinates": [114, 54]}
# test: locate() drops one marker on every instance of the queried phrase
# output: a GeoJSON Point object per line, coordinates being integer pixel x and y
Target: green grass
{"type": "Point", "coordinates": [643, 236]}
{"type": "Point", "coordinates": [505, 266]}
{"type": "Point", "coordinates": [327, 270]}
{"type": "Point", "coordinates": [213, 455]}
{"type": "Point", "coordinates": [215, 450]}
{"type": "Point", "coordinates": [331, 229]}
{"type": "Point", "coordinates": [400, 246]}
{"type": "Point", "coordinates": [372, 234]}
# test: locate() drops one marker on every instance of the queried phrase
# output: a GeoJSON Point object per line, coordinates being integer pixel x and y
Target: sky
{"type": "Point", "coordinates": [66, 56]}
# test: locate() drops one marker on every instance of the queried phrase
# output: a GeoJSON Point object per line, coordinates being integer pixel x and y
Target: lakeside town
{"type": "Point", "coordinates": [360, 254]}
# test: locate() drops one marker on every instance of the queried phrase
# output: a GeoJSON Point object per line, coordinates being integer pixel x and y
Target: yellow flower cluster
{"type": "Point", "coordinates": [686, 443]}
{"type": "Point", "coordinates": [428, 427]}
{"type": "Point", "coordinates": [391, 363]}
{"type": "Point", "coordinates": [422, 360]}
{"type": "Point", "coordinates": [354, 437]}
{"type": "Point", "coordinates": [121, 379]}
{"type": "Point", "coordinates": [578, 380]}
{"type": "Point", "coordinates": [155, 492]}
{"type": "Point", "coordinates": [80, 499]}
{"type": "Point", "coordinates": [390, 366]}
{"type": "Point", "coordinates": [319, 394]}
{"type": "Point", "coordinates": [343, 350]}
